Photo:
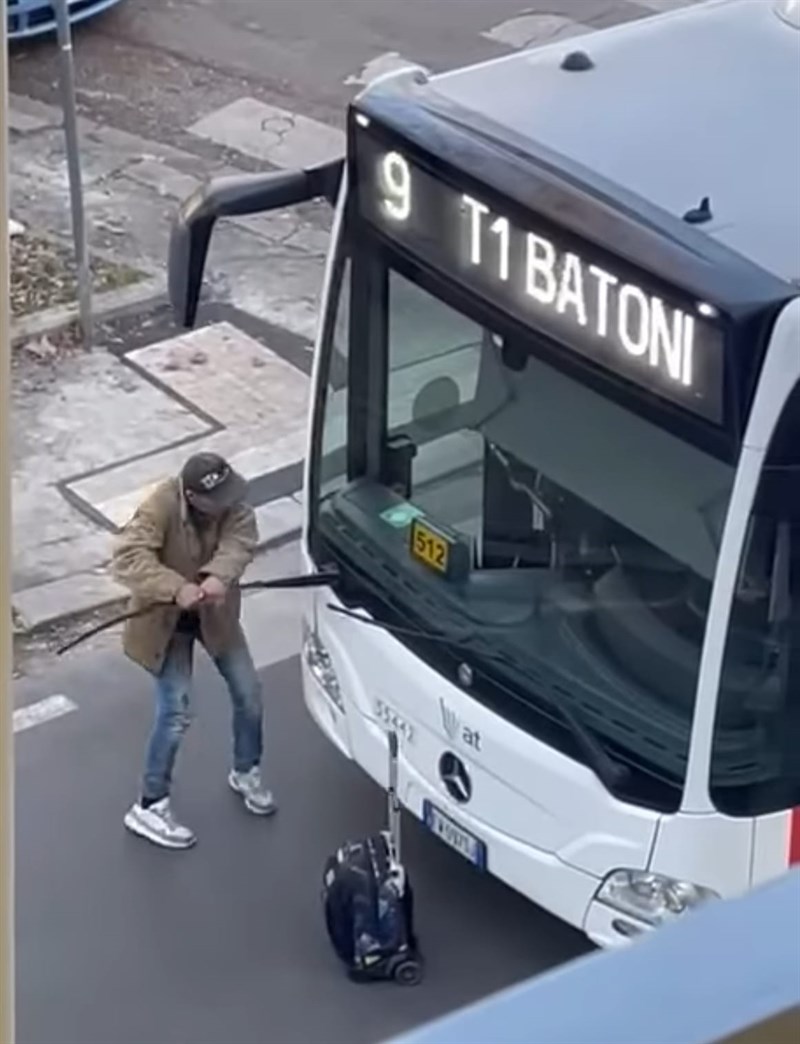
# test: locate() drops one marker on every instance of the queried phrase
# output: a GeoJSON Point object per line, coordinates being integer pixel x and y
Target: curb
{"type": "Point", "coordinates": [104, 305]}
{"type": "Point", "coordinates": [72, 599]}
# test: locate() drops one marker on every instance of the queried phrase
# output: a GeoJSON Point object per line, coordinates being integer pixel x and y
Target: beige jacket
{"type": "Point", "coordinates": [159, 550]}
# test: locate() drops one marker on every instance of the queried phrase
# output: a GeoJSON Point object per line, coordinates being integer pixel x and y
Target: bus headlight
{"type": "Point", "coordinates": [321, 667]}
{"type": "Point", "coordinates": [652, 898]}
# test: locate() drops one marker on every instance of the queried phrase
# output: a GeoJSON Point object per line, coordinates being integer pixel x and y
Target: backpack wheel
{"type": "Point", "coordinates": [407, 972]}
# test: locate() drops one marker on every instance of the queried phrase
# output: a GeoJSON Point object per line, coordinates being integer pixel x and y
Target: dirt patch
{"type": "Point", "coordinates": [37, 363]}
{"type": "Point", "coordinates": [44, 275]}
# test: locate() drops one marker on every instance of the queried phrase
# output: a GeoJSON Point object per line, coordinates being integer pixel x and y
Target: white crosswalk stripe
{"type": "Point", "coordinates": [42, 711]}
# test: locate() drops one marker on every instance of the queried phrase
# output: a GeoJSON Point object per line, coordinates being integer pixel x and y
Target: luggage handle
{"type": "Point", "coordinates": [393, 802]}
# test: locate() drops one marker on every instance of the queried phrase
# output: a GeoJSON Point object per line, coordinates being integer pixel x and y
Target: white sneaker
{"type": "Point", "coordinates": [158, 825]}
{"type": "Point", "coordinates": [257, 799]}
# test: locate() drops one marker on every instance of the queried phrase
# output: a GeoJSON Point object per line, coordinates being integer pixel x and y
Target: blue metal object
{"type": "Point", "coordinates": [727, 967]}
{"type": "Point", "coordinates": [28, 18]}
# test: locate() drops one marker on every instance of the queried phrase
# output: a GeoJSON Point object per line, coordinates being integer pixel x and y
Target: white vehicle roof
{"type": "Point", "coordinates": [700, 102]}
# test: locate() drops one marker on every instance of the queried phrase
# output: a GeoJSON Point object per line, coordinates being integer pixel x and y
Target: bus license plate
{"type": "Point", "coordinates": [465, 843]}
{"type": "Point", "coordinates": [429, 547]}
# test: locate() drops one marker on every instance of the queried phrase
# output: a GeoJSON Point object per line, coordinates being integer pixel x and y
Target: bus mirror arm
{"type": "Point", "coordinates": [233, 196]}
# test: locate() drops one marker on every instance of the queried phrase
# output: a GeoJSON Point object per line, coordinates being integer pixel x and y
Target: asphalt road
{"type": "Point", "coordinates": [119, 942]}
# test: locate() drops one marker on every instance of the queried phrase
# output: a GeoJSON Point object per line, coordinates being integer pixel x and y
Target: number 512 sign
{"type": "Point", "coordinates": [439, 549]}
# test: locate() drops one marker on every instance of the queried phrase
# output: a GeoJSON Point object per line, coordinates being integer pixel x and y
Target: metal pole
{"type": "Point", "coordinates": [74, 168]}
{"type": "Point", "coordinates": [6, 731]}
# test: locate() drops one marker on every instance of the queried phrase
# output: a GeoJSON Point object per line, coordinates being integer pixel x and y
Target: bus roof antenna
{"type": "Point", "coordinates": [699, 215]}
{"type": "Point", "coordinates": [577, 61]}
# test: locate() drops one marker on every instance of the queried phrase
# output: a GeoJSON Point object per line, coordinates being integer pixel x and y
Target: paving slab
{"type": "Point", "coordinates": [253, 402]}
{"type": "Point", "coordinates": [231, 376]}
{"type": "Point", "coordinates": [267, 132]}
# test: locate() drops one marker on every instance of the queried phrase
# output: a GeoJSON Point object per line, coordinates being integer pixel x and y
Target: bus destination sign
{"type": "Point", "coordinates": [563, 289]}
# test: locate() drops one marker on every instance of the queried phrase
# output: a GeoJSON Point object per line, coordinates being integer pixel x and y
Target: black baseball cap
{"type": "Point", "coordinates": [213, 483]}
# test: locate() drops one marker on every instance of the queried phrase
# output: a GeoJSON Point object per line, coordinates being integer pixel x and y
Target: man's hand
{"type": "Point", "coordinates": [213, 590]}
{"type": "Point", "coordinates": [189, 596]}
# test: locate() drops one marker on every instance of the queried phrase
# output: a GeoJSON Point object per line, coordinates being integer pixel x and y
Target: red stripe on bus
{"type": "Point", "coordinates": [794, 838]}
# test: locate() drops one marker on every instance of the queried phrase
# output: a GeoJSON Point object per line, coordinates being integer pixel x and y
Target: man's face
{"type": "Point", "coordinates": [204, 506]}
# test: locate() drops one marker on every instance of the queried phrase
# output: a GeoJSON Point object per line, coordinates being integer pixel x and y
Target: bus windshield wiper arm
{"type": "Point", "coordinates": [611, 773]}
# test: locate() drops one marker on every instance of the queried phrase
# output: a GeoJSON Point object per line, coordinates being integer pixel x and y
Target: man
{"type": "Point", "coordinates": [186, 548]}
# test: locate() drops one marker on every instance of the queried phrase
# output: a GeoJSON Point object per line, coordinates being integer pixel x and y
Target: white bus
{"type": "Point", "coordinates": [554, 453]}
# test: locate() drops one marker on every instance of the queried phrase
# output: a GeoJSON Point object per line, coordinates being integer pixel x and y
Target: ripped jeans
{"type": "Point", "coordinates": [174, 713]}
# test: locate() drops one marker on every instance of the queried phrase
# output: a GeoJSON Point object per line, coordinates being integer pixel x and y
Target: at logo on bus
{"type": "Point", "coordinates": [456, 730]}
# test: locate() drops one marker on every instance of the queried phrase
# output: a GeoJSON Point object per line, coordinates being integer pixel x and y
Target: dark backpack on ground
{"type": "Point", "coordinates": [369, 904]}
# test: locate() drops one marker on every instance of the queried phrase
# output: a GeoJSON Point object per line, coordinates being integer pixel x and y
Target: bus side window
{"type": "Point", "coordinates": [755, 758]}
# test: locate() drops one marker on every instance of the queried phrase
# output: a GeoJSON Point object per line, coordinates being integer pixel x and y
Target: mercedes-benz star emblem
{"type": "Point", "coordinates": [455, 777]}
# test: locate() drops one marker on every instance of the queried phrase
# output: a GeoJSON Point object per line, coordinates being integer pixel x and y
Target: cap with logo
{"type": "Point", "coordinates": [213, 483]}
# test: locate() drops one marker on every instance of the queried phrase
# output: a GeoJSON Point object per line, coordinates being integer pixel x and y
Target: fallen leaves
{"type": "Point", "coordinates": [43, 273]}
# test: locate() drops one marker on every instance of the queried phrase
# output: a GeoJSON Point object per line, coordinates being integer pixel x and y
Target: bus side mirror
{"type": "Point", "coordinates": [231, 196]}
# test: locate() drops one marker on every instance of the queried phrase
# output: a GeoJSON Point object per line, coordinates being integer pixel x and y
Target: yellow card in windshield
{"type": "Point", "coordinates": [429, 547]}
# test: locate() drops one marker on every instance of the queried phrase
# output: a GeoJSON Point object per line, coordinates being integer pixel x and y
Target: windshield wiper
{"type": "Point", "coordinates": [611, 773]}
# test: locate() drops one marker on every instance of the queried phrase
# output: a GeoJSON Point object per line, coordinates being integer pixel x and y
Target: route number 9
{"type": "Point", "coordinates": [396, 181]}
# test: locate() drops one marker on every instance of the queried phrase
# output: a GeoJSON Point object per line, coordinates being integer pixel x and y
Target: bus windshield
{"type": "Point", "coordinates": [592, 534]}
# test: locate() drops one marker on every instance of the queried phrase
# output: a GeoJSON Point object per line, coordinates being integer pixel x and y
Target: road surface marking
{"type": "Point", "coordinates": [525, 30]}
{"type": "Point", "coordinates": [386, 63]}
{"type": "Point", "coordinates": [44, 710]}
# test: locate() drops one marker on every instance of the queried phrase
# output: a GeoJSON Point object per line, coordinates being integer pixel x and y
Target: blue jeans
{"type": "Point", "coordinates": [173, 712]}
